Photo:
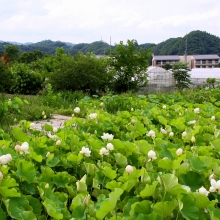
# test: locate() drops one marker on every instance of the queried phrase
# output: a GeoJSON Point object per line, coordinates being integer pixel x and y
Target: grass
{"type": "Point", "coordinates": [31, 109]}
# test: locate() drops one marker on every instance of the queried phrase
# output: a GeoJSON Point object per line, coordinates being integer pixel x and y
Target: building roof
{"type": "Point", "coordinates": [204, 73]}
{"type": "Point", "coordinates": [166, 57]}
{"type": "Point", "coordinates": [206, 56]}
{"type": "Point", "coordinates": [156, 69]}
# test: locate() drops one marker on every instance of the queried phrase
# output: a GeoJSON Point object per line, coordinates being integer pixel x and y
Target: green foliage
{"type": "Point", "coordinates": [12, 52]}
{"type": "Point", "coordinates": [80, 73]}
{"type": "Point", "coordinates": [211, 82]}
{"type": "Point", "coordinates": [181, 75]}
{"type": "Point", "coordinates": [25, 80]}
{"type": "Point", "coordinates": [10, 106]}
{"type": "Point", "coordinates": [198, 42]}
{"type": "Point", "coordinates": [167, 66]}
{"type": "Point", "coordinates": [5, 76]}
{"type": "Point", "coordinates": [29, 57]}
{"type": "Point", "coordinates": [97, 47]}
{"type": "Point", "coordinates": [60, 181]}
{"type": "Point", "coordinates": [115, 103]}
{"type": "Point", "coordinates": [128, 66]}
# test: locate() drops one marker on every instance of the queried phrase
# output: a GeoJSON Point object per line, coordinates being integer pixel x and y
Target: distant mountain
{"type": "Point", "coordinates": [198, 42]}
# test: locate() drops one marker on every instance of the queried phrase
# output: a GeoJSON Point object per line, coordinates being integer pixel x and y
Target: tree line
{"type": "Point", "coordinates": [29, 72]}
{"type": "Point", "coordinates": [198, 42]}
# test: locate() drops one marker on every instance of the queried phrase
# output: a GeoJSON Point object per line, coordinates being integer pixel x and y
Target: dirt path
{"type": "Point", "coordinates": [56, 121]}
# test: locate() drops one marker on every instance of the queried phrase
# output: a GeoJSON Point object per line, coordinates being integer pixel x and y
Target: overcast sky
{"type": "Point", "coordinates": [86, 21]}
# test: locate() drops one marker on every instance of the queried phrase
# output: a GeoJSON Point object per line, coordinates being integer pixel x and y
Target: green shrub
{"type": "Point", "coordinates": [25, 80]}
{"type": "Point", "coordinates": [80, 73]}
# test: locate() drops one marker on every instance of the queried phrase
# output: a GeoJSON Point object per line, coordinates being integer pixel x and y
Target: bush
{"type": "Point", "coordinates": [80, 73]}
{"type": "Point", "coordinates": [25, 80]}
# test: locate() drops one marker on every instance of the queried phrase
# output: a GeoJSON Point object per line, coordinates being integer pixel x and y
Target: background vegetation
{"type": "Point", "coordinates": [198, 42]}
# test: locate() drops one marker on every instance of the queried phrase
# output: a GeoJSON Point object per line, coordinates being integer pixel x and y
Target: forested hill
{"type": "Point", "coordinates": [198, 42]}
{"type": "Point", "coordinates": [49, 47]}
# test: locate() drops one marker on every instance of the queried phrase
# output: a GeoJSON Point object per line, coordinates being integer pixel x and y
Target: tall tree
{"type": "Point", "coordinates": [181, 75]}
{"type": "Point", "coordinates": [128, 65]}
{"type": "Point", "coordinates": [5, 76]}
{"type": "Point", "coordinates": [12, 52]}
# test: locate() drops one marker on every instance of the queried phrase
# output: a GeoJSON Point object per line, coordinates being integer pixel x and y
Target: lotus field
{"type": "Point", "coordinates": [154, 159]}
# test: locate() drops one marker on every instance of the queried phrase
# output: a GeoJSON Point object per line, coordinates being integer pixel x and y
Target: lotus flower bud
{"type": "Point", "coordinates": [129, 169]}
{"type": "Point", "coordinates": [179, 151]}
{"type": "Point", "coordinates": [152, 155]}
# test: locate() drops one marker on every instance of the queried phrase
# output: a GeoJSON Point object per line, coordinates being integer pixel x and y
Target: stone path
{"type": "Point", "coordinates": [56, 121]}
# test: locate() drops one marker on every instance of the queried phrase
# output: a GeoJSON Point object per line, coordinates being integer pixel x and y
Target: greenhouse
{"type": "Point", "coordinates": [199, 76]}
{"type": "Point", "coordinates": [159, 80]}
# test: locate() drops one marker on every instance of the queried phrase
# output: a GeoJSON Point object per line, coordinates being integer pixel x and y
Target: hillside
{"type": "Point", "coordinates": [198, 42]}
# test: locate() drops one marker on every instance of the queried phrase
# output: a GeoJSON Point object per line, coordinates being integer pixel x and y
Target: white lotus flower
{"type": "Point", "coordinates": [179, 151]}
{"type": "Point", "coordinates": [53, 137]}
{"type": "Point", "coordinates": [202, 190]}
{"type": "Point", "coordinates": [9, 157]}
{"type": "Point", "coordinates": [152, 155]}
{"type": "Point", "coordinates": [32, 126]}
{"type": "Point", "coordinates": [129, 169]}
{"type": "Point", "coordinates": [151, 134]}
{"type": "Point", "coordinates": [107, 136]}
{"type": "Point", "coordinates": [192, 122]}
{"type": "Point", "coordinates": [47, 186]}
{"type": "Point", "coordinates": [110, 146]}
{"type": "Point", "coordinates": [55, 130]}
{"type": "Point", "coordinates": [17, 147]}
{"type": "Point", "coordinates": [184, 134]}
{"type": "Point", "coordinates": [85, 151]}
{"type": "Point", "coordinates": [104, 151]}
{"type": "Point", "coordinates": [58, 142]}
{"type": "Point", "coordinates": [196, 110]}
{"type": "Point", "coordinates": [164, 107]}
{"type": "Point", "coordinates": [163, 131]}
{"type": "Point", "coordinates": [77, 110]}
{"type": "Point", "coordinates": [133, 121]}
{"type": "Point", "coordinates": [24, 147]}
{"type": "Point", "coordinates": [213, 118]}
{"type": "Point", "coordinates": [212, 189]}
{"type": "Point", "coordinates": [48, 154]}
{"type": "Point", "coordinates": [171, 134]}
{"type": "Point", "coordinates": [212, 176]}
{"type": "Point", "coordinates": [43, 113]}
{"type": "Point", "coordinates": [4, 159]}
{"type": "Point", "coordinates": [215, 184]}
{"type": "Point", "coordinates": [93, 116]}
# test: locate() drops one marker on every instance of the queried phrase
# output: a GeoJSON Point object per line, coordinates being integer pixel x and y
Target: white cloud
{"type": "Point", "coordinates": [87, 21]}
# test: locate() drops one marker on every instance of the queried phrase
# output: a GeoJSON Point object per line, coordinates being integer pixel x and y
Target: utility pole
{"type": "Point", "coordinates": [186, 50]}
{"type": "Point", "coordinates": [110, 44]}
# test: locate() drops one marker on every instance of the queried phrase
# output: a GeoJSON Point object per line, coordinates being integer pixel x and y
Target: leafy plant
{"type": "Point", "coordinates": [156, 160]}
{"type": "Point", "coordinates": [25, 80]}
